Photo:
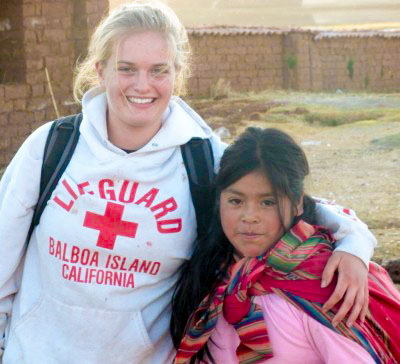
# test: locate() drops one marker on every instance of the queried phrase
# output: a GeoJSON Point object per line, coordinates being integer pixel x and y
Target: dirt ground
{"type": "Point", "coordinates": [352, 143]}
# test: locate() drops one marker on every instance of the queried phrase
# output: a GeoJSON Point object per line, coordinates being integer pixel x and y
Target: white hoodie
{"type": "Point", "coordinates": [95, 284]}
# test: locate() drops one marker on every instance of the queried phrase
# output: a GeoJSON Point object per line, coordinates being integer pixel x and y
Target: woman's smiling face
{"type": "Point", "coordinates": [250, 215]}
{"type": "Point", "coordinates": [139, 80]}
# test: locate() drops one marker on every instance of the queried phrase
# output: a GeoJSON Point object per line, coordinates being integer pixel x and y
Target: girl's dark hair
{"type": "Point", "coordinates": [284, 163]}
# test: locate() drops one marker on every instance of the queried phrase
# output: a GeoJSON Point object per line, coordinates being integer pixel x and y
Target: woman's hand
{"type": "Point", "coordinates": [352, 286]}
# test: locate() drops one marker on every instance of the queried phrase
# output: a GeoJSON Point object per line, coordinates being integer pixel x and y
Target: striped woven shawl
{"type": "Point", "coordinates": [292, 269]}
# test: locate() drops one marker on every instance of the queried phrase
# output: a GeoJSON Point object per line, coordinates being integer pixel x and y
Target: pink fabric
{"type": "Point", "coordinates": [295, 338]}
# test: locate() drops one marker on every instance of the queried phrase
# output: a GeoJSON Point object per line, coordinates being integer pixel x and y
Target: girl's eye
{"type": "Point", "coordinates": [267, 202]}
{"type": "Point", "coordinates": [234, 201]}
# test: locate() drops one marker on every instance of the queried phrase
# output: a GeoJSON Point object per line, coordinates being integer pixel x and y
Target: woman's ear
{"type": "Point", "coordinates": [300, 206]}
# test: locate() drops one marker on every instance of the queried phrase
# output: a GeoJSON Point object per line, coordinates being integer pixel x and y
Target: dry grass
{"type": "Point", "coordinates": [353, 147]}
{"type": "Point", "coordinates": [352, 142]}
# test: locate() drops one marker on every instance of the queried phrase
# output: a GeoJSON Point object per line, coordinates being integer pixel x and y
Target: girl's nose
{"type": "Point", "coordinates": [250, 216]}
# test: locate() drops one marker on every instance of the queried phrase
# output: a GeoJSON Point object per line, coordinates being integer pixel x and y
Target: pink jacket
{"type": "Point", "coordinates": [295, 337]}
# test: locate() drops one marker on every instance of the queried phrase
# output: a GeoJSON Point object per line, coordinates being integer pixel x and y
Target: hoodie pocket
{"type": "Point", "coordinates": [54, 332]}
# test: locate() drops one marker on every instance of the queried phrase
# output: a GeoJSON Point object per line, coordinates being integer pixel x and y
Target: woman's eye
{"type": "Point", "coordinates": [159, 71]}
{"type": "Point", "coordinates": [125, 69]}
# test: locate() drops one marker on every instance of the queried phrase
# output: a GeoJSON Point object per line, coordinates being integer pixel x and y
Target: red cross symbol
{"type": "Point", "coordinates": [110, 225]}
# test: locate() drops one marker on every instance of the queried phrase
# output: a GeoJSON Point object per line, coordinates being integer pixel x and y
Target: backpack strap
{"type": "Point", "coordinates": [60, 145]}
{"type": "Point", "coordinates": [199, 162]}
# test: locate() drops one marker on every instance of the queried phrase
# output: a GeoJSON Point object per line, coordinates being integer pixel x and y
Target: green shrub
{"type": "Point", "coordinates": [291, 62]}
{"type": "Point", "coordinates": [350, 67]}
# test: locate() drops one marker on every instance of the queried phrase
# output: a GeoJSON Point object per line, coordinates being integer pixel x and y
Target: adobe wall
{"type": "Point", "coordinates": [252, 59]}
{"type": "Point", "coordinates": [52, 34]}
{"type": "Point", "coordinates": [37, 35]}
{"type": "Point", "coordinates": [355, 61]}
{"type": "Point", "coordinates": [248, 61]}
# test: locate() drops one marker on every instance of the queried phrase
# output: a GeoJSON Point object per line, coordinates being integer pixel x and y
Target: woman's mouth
{"type": "Point", "coordinates": [140, 100]}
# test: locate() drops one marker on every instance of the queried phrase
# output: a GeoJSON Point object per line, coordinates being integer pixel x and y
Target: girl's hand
{"type": "Point", "coordinates": [352, 286]}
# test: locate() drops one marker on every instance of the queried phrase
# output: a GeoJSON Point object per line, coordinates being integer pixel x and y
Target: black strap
{"type": "Point", "coordinates": [199, 162]}
{"type": "Point", "coordinates": [60, 145]}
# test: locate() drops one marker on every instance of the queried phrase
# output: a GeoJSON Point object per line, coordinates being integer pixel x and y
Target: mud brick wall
{"type": "Point", "coordinates": [11, 40]}
{"type": "Point", "coordinates": [52, 34]}
{"type": "Point", "coordinates": [251, 59]}
{"type": "Point", "coordinates": [355, 61]}
{"type": "Point", "coordinates": [247, 61]}
{"type": "Point", "coordinates": [35, 35]}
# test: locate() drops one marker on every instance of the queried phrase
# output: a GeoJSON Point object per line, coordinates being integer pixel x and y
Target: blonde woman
{"type": "Point", "coordinates": [95, 283]}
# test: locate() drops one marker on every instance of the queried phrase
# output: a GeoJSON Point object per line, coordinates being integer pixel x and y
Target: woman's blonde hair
{"type": "Point", "coordinates": [135, 16]}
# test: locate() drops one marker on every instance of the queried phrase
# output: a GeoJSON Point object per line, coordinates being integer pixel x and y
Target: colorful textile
{"type": "Point", "coordinates": [292, 269]}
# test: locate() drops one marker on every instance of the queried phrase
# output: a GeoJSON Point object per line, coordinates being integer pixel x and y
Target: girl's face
{"type": "Point", "coordinates": [250, 214]}
{"type": "Point", "coordinates": [139, 80]}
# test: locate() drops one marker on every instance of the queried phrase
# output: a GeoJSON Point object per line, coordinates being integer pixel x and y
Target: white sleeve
{"type": "Point", "coordinates": [351, 233]}
{"type": "Point", "coordinates": [218, 148]}
{"type": "Point", "coordinates": [19, 189]}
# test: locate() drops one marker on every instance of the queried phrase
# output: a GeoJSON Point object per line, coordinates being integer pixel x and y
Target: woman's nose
{"type": "Point", "coordinates": [141, 82]}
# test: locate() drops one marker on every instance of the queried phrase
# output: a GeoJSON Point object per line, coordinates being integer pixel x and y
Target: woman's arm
{"type": "Point", "coordinates": [351, 233]}
{"type": "Point", "coordinates": [354, 249]}
{"type": "Point", "coordinates": [19, 188]}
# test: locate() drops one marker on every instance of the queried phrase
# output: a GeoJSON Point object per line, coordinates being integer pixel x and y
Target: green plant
{"type": "Point", "coordinates": [388, 142]}
{"type": "Point", "coordinates": [366, 81]}
{"type": "Point", "coordinates": [291, 61]}
{"type": "Point", "coordinates": [350, 67]}
{"type": "Point", "coordinates": [339, 117]}
{"type": "Point", "coordinates": [382, 71]}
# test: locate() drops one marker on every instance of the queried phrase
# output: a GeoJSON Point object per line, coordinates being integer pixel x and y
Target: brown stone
{"type": "Point", "coordinates": [56, 9]}
{"type": "Point", "coordinates": [13, 92]}
{"type": "Point", "coordinates": [38, 104]}
{"type": "Point", "coordinates": [37, 77]}
{"type": "Point", "coordinates": [20, 118]}
{"type": "Point", "coordinates": [39, 117]}
{"type": "Point", "coordinates": [37, 90]}
{"type": "Point", "coordinates": [5, 106]}
{"type": "Point", "coordinates": [3, 119]}
{"type": "Point", "coordinates": [34, 64]}
{"type": "Point", "coordinates": [28, 10]}
{"type": "Point", "coordinates": [19, 104]}
{"type": "Point", "coordinates": [54, 35]}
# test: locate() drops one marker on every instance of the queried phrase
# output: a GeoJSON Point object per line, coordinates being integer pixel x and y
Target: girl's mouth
{"type": "Point", "coordinates": [250, 236]}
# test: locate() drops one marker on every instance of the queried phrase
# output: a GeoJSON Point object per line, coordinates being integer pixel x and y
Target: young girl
{"type": "Point", "coordinates": [254, 282]}
{"type": "Point", "coordinates": [95, 284]}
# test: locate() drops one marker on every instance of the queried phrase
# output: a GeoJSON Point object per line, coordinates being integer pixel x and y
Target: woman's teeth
{"type": "Point", "coordinates": [140, 100]}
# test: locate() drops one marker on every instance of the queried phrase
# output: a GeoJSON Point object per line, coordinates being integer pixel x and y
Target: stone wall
{"type": "Point", "coordinates": [34, 36]}
{"type": "Point", "coordinates": [251, 59]}
{"type": "Point", "coordinates": [11, 40]}
{"type": "Point", "coordinates": [51, 34]}
{"type": "Point", "coordinates": [355, 61]}
{"type": "Point", "coordinates": [248, 60]}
